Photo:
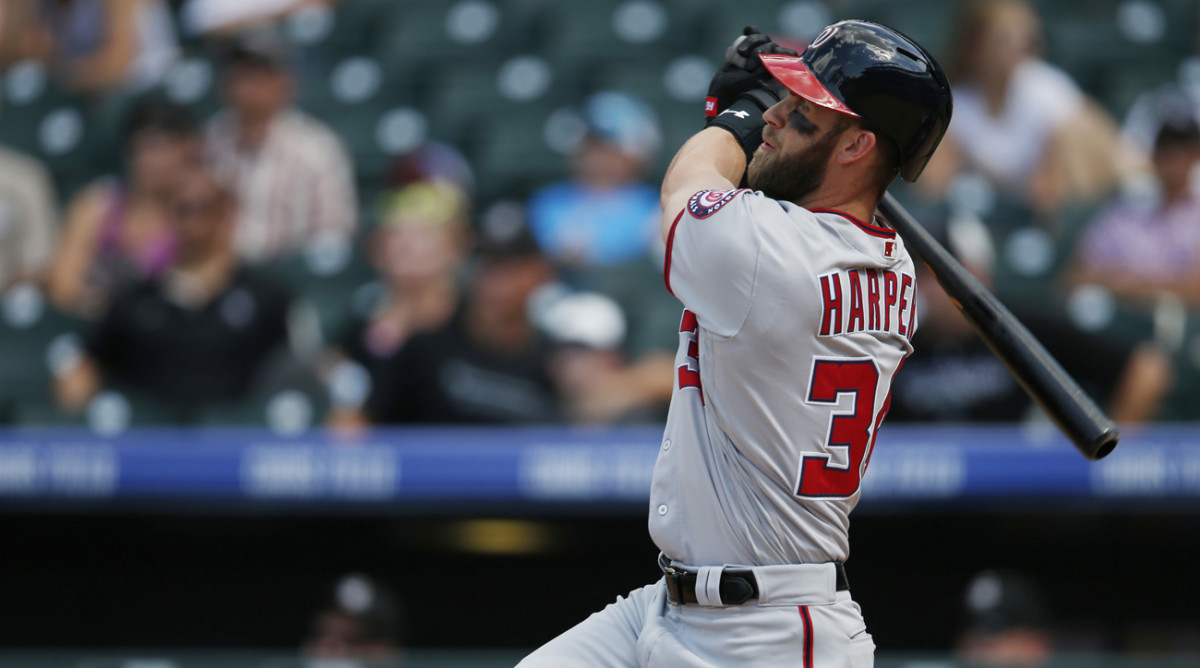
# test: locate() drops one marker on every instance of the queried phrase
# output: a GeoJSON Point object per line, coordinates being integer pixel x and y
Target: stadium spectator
{"type": "Point", "coordinates": [954, 377]}
{"type": "Point", "coordinates": [432, 161]}
{"type": "Point", "coordinates": [361, 624]}
{"type": "Point", "coordinates": [1144, 117]}
{"type": "Point", "coordinates": [28, 219]}
{"type": "Point", "coordinates": [1142, 250]}
{"type": "Point", "coordinates": [489, 363]}
{"type": "Point", "coordinates": [117, 230]}
{"type": "Point", "coordinates": [1021, 122]}
{"type": "Point", "coordinates": [605, 214]}
{"type": "Point", "coordinates": [100, 47]}
{"type": "Point", "coordinates": [197, 336]}
{"type": "Point", "coordinates": [294, 177]}
{"type": "Point", "coordinates": [596, 382]}
{"type": "Point", "coordinates": [600, 226]}
{"type": "Point", "coordinates": [19, 37]}
{"type": "Point", "coordinates": [417, 251]}
{"type": "Point", "coordinates": [222, 17]}
{"type": "Point", "coordinates": [1007, 623]}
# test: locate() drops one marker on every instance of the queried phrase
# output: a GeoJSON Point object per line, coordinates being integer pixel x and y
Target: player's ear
{"type": "Point", "coordinates": [856, 145]}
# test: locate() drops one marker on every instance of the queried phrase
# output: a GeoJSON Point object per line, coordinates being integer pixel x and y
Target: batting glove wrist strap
{"type": "Point", "coordinates": [744, 118]}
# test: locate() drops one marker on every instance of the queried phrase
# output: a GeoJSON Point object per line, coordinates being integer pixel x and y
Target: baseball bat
{"type": "Point", "coordinates": [1042, 377]}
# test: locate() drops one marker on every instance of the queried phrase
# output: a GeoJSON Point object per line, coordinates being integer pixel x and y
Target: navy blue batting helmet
{"type": "Point", "coordinates": [873, 72]}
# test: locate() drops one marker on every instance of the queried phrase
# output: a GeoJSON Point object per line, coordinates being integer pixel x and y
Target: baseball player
{"type": "Point", "coordinates": [799, 307]}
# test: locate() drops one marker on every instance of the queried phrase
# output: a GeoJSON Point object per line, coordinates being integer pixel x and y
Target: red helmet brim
{"type": "Point", "coordinates": [796, 77]}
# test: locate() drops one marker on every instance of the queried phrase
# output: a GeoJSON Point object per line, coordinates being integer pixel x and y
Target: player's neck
{"type": "Point", "coordinates": [859, 207]}
{"type": "Point", "coordinates": [845, 188]}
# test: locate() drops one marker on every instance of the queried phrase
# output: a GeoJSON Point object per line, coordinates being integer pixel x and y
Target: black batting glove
{"type": "Point", "coordinates": [743, 70]}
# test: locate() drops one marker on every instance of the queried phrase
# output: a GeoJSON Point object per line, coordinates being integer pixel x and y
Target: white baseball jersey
{"type": "Point", "coordinates": [795, 322]}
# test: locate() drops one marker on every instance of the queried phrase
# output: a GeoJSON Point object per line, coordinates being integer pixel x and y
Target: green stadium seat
{"type": "Point", "coordinates": [436, 34]}
{"type": "Point", "coordinates": [360, 25]}
{"type": "Point", "coordinates": [617, 28]}
{"type": "Point", "coordinates": [470, 94]}
{"type": "Point", "coordinates": [513, 157]}
{"type": "Point", "coordinates": [327, 288]}
{"type": "Point", "coordinates": [287, 398]}
{"type": "Point", "coordinates": [31, 339]}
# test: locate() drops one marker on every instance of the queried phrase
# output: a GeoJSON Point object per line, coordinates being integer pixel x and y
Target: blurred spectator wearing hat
{"type": "Point", "coordinates": [293, 175]}
{"type": "Point", "coordinates": [1021, 122]}
{"type": "Point", "coordinates": [1143, 248]}
{"type": "Point", "coordinates": [600, 229]}
{"type": "Point", "coordinates": [596, 381]}
{"type": "Point", "coordinates": [417, 251]}
{"type": "Point", "coordinates": [489, 363]}
{"type": "Point", "coordinates": [432, 160]}
{"type": "Point", "coordinates": [117, 230]}
{"type": "Point", "coordinates": [1145, 115]}
{"type": "Point", "coordinates": [362, 623]}
{"type": "Point", "coordinates": [605, 214]}
{"type": "Point", "coordinates": [1007, 623]}
{"type": "Point", "coordinates": [197, 336]}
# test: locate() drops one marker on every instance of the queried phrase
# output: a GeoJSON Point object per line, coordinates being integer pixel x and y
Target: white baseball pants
{"type": "Point", "coordinates": [798, 621]}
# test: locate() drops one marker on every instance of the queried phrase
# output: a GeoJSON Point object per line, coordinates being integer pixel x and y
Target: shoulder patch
{"type": "Point", "coordinates": [707, 202]}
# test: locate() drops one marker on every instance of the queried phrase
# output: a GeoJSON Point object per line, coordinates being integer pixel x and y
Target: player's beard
{"type": "Point", "coordinates": [792, 177]}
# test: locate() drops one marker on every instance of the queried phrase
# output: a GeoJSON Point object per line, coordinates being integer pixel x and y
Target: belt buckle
{"type": "Point", "coordinates": [671, 576]}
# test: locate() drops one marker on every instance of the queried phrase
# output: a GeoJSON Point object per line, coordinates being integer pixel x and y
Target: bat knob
{"type": "Point", "coordinates": [1105, 443]}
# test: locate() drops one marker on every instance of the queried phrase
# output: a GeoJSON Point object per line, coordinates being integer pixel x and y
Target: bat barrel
{"type": "Point", "coordinates": [1041, 376]}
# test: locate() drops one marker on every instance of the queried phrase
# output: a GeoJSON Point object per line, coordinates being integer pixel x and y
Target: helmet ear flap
{"type": "Point", "coordinates": [931, 136]}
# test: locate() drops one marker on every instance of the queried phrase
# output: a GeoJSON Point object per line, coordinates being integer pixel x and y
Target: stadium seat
{"type": "Point", "coordinates": [287, 398]}
{"type": "Point", "coordinates": [58, 128]}
{"type": "Point", "coordinates": [469, 95]}
{"type": "Point", "coordinates": [617, 28]}
{"type": "Point", "coordinates": [436, 34]}
{"type": "Point", "coordinates": [30, 343]}
{"type": "Point", "coordinates": [513, 157]}
{"type": "Point", "coordinates": [360, 25]}
{"type": "Point", "coordinates": [325, 282]}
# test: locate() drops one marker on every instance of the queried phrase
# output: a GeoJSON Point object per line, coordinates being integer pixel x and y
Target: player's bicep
{"type": "Point", "coordinates": [713, 249]}
{"type": "Point", "coordinates": [677, 200]}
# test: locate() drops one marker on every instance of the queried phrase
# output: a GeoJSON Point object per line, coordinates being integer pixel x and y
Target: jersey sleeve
{"type": "Point", "coordinates": [712, 257]}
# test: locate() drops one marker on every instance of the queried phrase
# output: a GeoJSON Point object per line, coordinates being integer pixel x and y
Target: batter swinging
{"type": "Point", "coordinates": [799, 307]}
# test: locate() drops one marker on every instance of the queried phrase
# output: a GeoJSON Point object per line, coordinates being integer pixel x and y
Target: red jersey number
{"type": "Point", "coordinates": [689, 372]}
{"type": "Point", "coordinates": [850, 433]}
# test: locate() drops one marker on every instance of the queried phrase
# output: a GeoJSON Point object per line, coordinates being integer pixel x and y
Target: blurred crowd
{"type": "Point", "coordinates": [230, 270]}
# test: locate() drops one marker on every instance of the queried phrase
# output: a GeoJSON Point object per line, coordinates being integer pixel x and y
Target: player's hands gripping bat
{"type": "Point", "coordinates": [743, 70]}
{"type": "Point", "coordinates": [743, 89]}
{"type": "Point", "coordinates": [1039, 374]}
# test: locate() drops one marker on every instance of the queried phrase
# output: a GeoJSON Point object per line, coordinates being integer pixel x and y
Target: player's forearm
{"type": "Point", "coordinates": [711, 160]}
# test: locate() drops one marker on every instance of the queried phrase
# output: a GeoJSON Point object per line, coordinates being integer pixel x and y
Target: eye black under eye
{"type": "Point", "coordinates": [800, 122]}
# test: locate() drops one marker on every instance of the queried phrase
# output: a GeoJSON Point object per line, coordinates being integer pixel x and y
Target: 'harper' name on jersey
{"type": "Point", "coordinates": [868, 300]}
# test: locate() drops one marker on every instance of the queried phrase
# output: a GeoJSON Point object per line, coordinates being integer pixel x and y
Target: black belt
{"type": "Point", "coordinates": [738, 585]}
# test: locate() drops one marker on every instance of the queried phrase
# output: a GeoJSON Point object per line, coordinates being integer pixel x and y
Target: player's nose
{"type": "Point", "coordinates": [775, 115]}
